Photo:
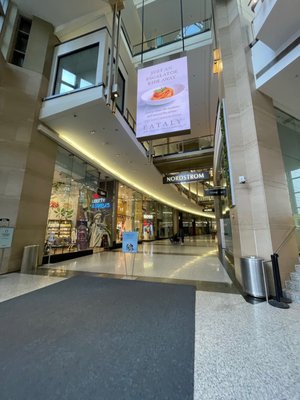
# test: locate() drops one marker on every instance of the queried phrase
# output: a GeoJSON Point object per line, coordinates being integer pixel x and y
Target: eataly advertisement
{"type": "Point", "coordinates": [163, 100]}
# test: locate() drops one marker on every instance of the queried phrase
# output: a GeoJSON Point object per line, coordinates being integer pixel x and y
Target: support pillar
{"type": "Point", "coordinates": [262, 216]}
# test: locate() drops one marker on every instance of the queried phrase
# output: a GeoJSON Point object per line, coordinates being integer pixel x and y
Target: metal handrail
{"type": "Point", "coordinates": [197, 198]}
{"type": "Point", "coordinates": [285, 240]}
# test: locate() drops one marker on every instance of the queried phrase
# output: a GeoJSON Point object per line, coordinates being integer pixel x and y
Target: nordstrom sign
{"type": "Point", "coordinates": [187, 177]}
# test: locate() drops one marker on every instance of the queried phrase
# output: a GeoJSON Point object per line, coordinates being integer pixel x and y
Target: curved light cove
{"type": "Point", "coordinates": [124, 179]}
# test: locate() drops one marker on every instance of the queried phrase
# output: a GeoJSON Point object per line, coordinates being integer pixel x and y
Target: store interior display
{"type": "Point", "coordinates": [78, 217]}
{"type": "Point", "coordinates": [82, 206]}
{"type": "Point", "coordinates": [125, 211]}
{"type": "Point", "coordinates": [148, 230]}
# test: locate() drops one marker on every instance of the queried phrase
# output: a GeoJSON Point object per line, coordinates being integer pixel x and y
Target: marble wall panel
{"type": "Point", "coordinates": [253, 166]}
{"type": "Point", "coordinates": [272, 165]}
{"type": "Point", "coordinates": [279, 210]}
{"type": "Point", "coordinates": [14, 182]}
{"type": "Point", "coordinates": [236, 139]}
{"type": "Point", "coordinates": [262, 205]}
{"type": "Point", "coordinates": [244, 209]}
{"type": "Point", "coordinates": [248, 129]}
{"type": "Point", "coordinates": [231, 97]}
{"type": "Point", "coordinates": [13, 155]}
{"type": "Point", "coordinates": [9, 207]}
{"type": "Point", "coordinates": [258, 202]}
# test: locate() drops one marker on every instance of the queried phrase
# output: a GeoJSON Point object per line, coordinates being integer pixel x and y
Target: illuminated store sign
{"type": "Point", "coordinates": [148, 216]}
{"type": "Point", "coordinates": [163, 100]}
{"type": "Point", "coordinates": [100, 203]}
{"type": "Point", "coordinates": [208, 209]}
{"type": "Point", "coordinates": [187, 177]}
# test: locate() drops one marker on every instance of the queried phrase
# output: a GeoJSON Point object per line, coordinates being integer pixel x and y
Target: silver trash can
{"type": "Point", "coordinates": [252, 276]}
{"type": "Point", "coordinates": [30, 258]}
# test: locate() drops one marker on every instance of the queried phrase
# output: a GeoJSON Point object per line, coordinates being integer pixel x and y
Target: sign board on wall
{"type": "Point", "coordinates": [100, 202]}
{"type": "Point", "coordinates": [6, 236]}
{"type": "Point", "coordinates": [186, 177]}
{"type": "Point", "coordinates": [148, 216]}
{"type": "Point", "coordinates": [163, 100]}
{"type": "Point", "coordinates": [208, 209]}
{"type": "Point", "coordinates": [215, 192]}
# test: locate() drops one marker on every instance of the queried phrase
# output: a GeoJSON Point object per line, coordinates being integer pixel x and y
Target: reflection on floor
{"type": "Point", "coordinates": [196, 260]}
{"type": "Point", "coordinates": [242, 351]}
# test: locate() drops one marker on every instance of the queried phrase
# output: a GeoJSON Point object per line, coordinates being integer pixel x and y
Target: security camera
{"type": "Point", "coordinates": [242, 179]}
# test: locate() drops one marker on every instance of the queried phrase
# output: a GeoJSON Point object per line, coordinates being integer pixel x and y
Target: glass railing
{"type": "Point", "coordinates": [172, 37]}
{"type": "Point", "coordinates": [184, 146]}
{"type": "Point", "coordinates": [198, 199]}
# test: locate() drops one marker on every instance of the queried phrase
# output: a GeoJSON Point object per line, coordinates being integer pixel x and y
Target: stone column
{"type": "Point", "coordinates": [27, 158]}
{"type": "Point", "coordinates": [262, 216]}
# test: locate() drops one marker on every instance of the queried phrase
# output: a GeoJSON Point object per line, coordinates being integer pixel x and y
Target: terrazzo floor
{"type": "Point", "coordinates": [242, 351]}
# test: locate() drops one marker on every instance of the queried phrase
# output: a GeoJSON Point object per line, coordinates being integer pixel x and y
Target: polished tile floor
{"type": "Point", "coordinates": [195, 260]}
{"type": "Point", "coordinates": [242, 351]}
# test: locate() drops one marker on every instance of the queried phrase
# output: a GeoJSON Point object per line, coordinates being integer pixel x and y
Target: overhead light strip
{"type": "Point", "coordinates": [129, 182]}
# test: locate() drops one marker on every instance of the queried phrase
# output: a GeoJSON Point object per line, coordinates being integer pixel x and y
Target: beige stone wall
{"type": "Point", "coordinates": [262, 216]}
{"type": "Point", "coordinates": [26, 162]}
{"type": "Point", "coordinates": [27, 157]}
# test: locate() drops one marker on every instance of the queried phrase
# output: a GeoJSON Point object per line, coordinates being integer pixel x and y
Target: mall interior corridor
{"type": "Point", "coordinates": [241, 350]}
{"type": "Point", "coordinates": [149, 183]}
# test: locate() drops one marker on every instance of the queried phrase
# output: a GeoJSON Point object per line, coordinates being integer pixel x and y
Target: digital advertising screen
{"type": "Point", "coordinates": [163, 100]}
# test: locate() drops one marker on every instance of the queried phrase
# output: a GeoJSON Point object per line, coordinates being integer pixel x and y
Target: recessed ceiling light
{"type": "Point", "coordinates": [117, 155]}
{"type": "Point", "coordinates": [92, 132]}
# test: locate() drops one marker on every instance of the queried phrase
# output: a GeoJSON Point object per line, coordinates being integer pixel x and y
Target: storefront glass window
{"type": "Point", "coordinates": [129, 212]}
{"type": "Point", "coordinates": [79, 218]}
{"type": "Point", "coordinates": [289, 135]}
{"type": "Point", "coordinates": [149, 218]}
{"type": "Point", "coordinates": [164, 221]}
{"type": "Point", "coordinates": [125, 211]}
{"type": "Point", "coordinates": [138, 214]}
{"type": "Point", "coordinates": [3, 10]}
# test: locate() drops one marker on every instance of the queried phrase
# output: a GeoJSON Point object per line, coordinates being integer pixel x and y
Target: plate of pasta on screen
{"type": "Point", "coordinates": [162, 95]}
